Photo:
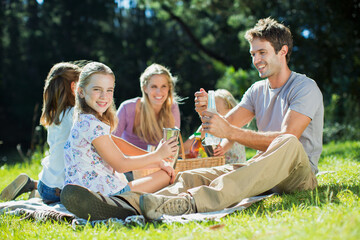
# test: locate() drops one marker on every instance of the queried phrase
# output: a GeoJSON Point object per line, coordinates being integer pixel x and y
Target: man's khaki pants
{"type": "Point", "coordinates": [283, 167]}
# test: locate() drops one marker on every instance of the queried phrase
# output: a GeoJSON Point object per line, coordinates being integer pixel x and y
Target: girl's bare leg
{"type": "Point", "coordinates": [150, 183]}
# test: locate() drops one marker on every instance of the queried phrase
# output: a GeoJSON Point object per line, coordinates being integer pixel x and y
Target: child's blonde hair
{"type": "Point", "coordinates": [58, 95]}
{"type": "Point", "coordinates": [228, 98]}
{"type": "Point", "coordinates": [109, 116]}
{"type": "Point", "coordinates": [150, 129]}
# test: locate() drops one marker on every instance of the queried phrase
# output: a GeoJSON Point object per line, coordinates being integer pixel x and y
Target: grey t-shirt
{"type": "Point", "coordinates": [300, 94]}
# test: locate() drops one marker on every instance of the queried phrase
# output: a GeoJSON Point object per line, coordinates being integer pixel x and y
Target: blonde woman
{"type": "Point", "coordinates": [141, 120]}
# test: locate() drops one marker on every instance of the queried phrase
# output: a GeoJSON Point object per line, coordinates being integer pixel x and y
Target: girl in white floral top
{"type": "Point", "coordinates": [92, 158]}
{"type": "Point", "coordinates": [225, 101]}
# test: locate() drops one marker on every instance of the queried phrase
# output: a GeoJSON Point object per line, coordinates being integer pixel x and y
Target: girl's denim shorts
{"type": "Point", "coordinates": [48, 194]}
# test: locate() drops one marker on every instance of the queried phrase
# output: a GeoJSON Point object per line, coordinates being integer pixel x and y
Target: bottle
{"type": "Point", "coordinates": [197, 149]}
{"type": "Point", "coordinates": [211, 139]}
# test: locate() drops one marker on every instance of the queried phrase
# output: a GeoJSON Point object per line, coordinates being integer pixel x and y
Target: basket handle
{"type": "Point", "coordinates": [182, 147]}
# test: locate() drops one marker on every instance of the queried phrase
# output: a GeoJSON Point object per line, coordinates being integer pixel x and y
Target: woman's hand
{"type": "Point", "coordinates": [169, 170]}
{"type": "Point", "coordinates": [167, 149]}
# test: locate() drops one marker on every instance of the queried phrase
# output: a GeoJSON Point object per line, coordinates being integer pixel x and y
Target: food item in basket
{"type": "Point", "coordinates": [209, 149]}
{"type": "Point", "coordinates": [197, 149]}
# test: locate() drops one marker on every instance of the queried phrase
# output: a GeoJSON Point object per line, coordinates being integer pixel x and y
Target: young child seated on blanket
{"type": "Point", "coordinates": [57, 113]}
{"type": "Point", "coordinates": [224, 101]}
{"type": "Point", "coordinates": [92, 159]}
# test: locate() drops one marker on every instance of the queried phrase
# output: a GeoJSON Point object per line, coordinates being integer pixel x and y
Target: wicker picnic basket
{"type": "Point", "coordinates": [183, 164]}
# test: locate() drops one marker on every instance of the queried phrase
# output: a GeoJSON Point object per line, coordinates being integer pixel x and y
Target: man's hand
{"type": "Point", "coordinates": [215, 124]}
{"type": "Point", "coordinates": [201, 101]}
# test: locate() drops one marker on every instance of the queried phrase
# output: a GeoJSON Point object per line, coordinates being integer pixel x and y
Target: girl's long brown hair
{"type": "Point", "coordinates": [58, 95]}
{"type": "Point", "coordinates": [109, 116]}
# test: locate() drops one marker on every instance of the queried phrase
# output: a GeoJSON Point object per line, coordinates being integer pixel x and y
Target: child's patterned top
{"type": "Point", "coordinates": [236, 154]}
{"type": "Point", "coordinates": [83, 165]}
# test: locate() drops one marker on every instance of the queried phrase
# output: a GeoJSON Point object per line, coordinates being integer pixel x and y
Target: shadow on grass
{"type": "Point", "coordinates": [322, 195]}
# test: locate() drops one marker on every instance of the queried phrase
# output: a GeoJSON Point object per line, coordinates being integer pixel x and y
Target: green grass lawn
{"type": "Point", "coordinates": [332, 211]}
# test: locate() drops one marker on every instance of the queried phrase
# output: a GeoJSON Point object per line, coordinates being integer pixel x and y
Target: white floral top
{"type": "Point", "coordinates": [83, 165]}
{"type": "Point", "coordinates": [236, 154]}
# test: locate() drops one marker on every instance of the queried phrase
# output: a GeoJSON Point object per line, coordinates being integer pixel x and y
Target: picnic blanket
{"type": "Point", "coordinates": [36, 210]}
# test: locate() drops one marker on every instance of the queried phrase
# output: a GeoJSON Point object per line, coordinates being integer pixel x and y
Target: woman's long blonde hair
{"type": "Point", "coordinates": [58, 95]}
{"type": "Point", "coordinates": [150, 128]}
{"type": "Point", "coordinates": [109, 116]}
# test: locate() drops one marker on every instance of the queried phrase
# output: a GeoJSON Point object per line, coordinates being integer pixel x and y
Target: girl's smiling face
{"type": "Point", "coordinates": [157, 90]}
{"type": "Point", "coordinates": [99, 93]}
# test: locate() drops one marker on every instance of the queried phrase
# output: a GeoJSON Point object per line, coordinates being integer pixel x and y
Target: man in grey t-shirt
{"type": "Point", "coordinates": [270, 107]}
{"type": "Point", "coordinates": [288, 108]}
{"type": "Point", "coordinates": [289, 112]}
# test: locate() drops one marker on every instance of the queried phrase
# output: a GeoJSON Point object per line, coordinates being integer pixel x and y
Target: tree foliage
{"type": "Point", "coordinates": [201, 41]}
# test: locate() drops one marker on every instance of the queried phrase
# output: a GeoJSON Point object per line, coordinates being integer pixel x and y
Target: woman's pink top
{"type": "Point", "coordinates": [126, 115]}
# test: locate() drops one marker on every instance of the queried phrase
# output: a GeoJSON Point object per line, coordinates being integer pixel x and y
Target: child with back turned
{"type": "Point", "coordinates": [57, 113]}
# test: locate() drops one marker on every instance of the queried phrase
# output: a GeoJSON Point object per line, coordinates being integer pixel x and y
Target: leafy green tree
{"type": "Point", "coordinates": [326, 42]}
{"type": "Point", "coordinates": [201, 41]}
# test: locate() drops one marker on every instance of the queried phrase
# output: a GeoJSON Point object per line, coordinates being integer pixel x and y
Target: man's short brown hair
{"type": "Point", "coordinates": [276, 33]}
